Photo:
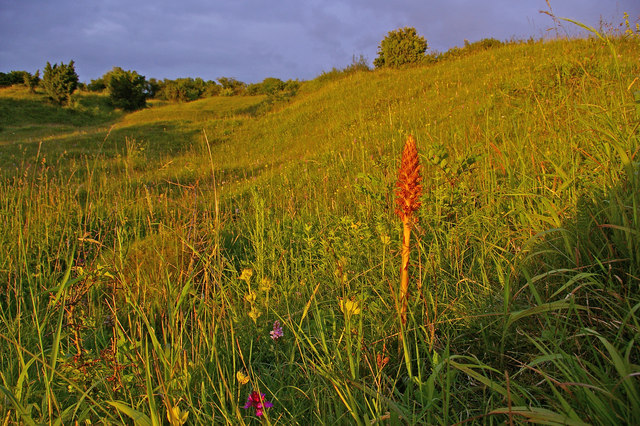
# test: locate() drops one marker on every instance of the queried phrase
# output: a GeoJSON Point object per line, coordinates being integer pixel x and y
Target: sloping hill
{"type": "Point", "coordinates": [148, 255]}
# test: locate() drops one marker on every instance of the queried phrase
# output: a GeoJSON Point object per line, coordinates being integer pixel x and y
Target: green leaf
{"type": "Point", "coordinates": [539, 309]}
{"type": "Point", "coordinates": [25, 417]}
{"type": "Point", "coordinates": [139, 419]}
{"type": "Point", "coordinates": [469, 369]}
{"type": "Point", "coordinates": [539, 415]}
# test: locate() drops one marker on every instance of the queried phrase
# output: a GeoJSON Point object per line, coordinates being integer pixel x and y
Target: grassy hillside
{"type": "Point", "coordinates": [147, 256]}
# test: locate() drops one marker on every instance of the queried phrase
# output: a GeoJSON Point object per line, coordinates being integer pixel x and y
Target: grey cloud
{"type": "Point", "coordinates": [254, 39]}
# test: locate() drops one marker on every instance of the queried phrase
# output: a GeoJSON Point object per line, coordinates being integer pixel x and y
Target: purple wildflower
{"type": "Point", "coordinates": [276, 333]}
{"type": "Point", "coordinates": [257, 401]}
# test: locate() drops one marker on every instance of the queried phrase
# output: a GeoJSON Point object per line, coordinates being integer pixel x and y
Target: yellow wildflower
{"type": "Point", "coordinates": [349, 307]}
{"type": "Point", "coordinates": [242, 378]}
{"type": "Point", "coordinates": [177, 416]}
{"type": "Point", "coordinates": [246, 275]}
{"type": "Point", "coordinates": [254, 314]}
{"type": "Point", "coordinates": [250, 297]}
{"type": "Point", "coordinates": [266, 285]}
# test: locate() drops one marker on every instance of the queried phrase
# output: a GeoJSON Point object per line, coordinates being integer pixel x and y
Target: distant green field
{"type": "Point", "coordinates": [146, 256]}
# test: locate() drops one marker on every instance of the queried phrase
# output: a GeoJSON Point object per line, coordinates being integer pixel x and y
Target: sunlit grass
{"type": "Point", "coordinates": [135, 288]}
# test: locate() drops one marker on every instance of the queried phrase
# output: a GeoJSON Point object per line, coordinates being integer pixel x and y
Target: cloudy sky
{"type": "Point", "coordinates": [254, 39]}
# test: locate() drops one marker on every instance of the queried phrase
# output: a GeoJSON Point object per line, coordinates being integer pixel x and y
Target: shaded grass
{"type": "Point", "coordinates": [28, 117]}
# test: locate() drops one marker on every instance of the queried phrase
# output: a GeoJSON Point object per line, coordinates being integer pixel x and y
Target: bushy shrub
{"type": "Point", "coordinates": [274, 88]}
{"type": "Point", "coordinates": [59, 82]}
{"type": "Point", "coordinates": [289, 90]}
{"type": "Point", "coordinates": [127, 89]}
{"type": "Point", "coordinates": [269, 86]}
{"type": "Point", "coordinates": [153, 87]}
{"type": "Point", "coordinates": [484, 44]}
{"type": "Point", "coordinates": [31, 81]}
{"type": "Point", "coordinates": [182, 90]}
{"type": "Point", "coordinates": [187, 89]}
{"type": "Point", "coordinates": [212, 89]}
{"type": "Point", "coordinates": [231, 86]}
{"type": "Point", "coordinates": [12, 77]}
{"type": "Point", "coordinates": [97, 85]}
{"type": "Point", "coordinates": [401, 47]}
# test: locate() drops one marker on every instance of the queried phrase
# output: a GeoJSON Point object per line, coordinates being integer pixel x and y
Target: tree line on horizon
{"type": "Point", "coordinates": [129, 90]}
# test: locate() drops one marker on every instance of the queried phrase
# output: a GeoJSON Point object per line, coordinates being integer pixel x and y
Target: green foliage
{"type": "Point", "coordinates": [186, 89]}
{"type": "Point", "coordinates": [97, 85]}
{"type": "Point", "coordinates": [31, 81]}
{"type": "Point", "coordinates": [153, 87]}
{"type": "Point", "coordinates": [484, 44]}
{"type": "Point", "coordinates": [269, 86]}
{"type": "Point", "coordinates": [275, 89]}
{"type": "Point", "coordinates": [231, 86]}
{"type": "Point", "coordinates": [401, 47]}
{"type": "Point", "coordinates": [212, 89]}
{"type": "Point", "coordinates": [59, 82]}
{"type": "Point", "coordinates": [12, 77]}
{"type": "Point", "coordinates": [127, 89]}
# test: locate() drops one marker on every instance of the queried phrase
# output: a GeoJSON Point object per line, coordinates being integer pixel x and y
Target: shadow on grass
{"type": "Point", "coordinates": [35, 113]}
{"type": "Point", "coordinates": [154, 140]}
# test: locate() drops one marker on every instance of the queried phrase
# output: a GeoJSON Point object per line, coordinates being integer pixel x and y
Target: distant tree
{"type": "Point", "coordinates": [183, 89]}
{"type": "Point", "coordinates": [254, 89]}
{"type": "Point", "coordinates": [212, 89]}
{"type": "Point", "coordinates": [60, 81]}
{"type": "Point", "coordinates": [269, 86]}
{"type": "Point", "coordinates": [31, 81]}
{"type": "Point", "coordinates": [231, 86]}
{"type": "Point", "coordinates": [291, 87]}
{"type": "Point", "coordinates": [401, 47]}
{"type": "Point", "coordinates": [484, 44]}
{"type": "Point", "coordinates": [12, 77]}
{"type": "Point", "coordinates": [97, 85]}
{"type": "Point", "coordinates": [127, 89]}
{"type": "Point", "coordinates": [153, 87]}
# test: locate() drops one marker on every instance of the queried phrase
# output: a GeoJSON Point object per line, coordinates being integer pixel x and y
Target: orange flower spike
{"type": "Point", "coordinates": [408, 192]}
{"type": "Point", "coordinates": [408, 187]}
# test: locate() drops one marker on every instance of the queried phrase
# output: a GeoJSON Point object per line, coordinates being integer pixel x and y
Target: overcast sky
{"type": "Point", "coordinates": [254, 39]}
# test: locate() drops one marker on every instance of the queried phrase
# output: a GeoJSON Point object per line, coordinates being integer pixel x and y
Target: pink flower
{"type": "Point", "coordinates": [276, 333]}
{"type": "Point", "coordinates": [257, 401]}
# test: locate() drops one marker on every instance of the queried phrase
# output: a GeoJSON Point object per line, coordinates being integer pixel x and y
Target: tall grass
{"type": "Point", "coordinates": [146, 266]}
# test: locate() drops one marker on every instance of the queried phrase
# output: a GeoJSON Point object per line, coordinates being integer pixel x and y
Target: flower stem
{"type": "Point", "coordinates": [404, 271]}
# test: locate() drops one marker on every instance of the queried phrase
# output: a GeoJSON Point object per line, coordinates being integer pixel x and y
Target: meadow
{"type": "Point", "coordinates": [158, 267]}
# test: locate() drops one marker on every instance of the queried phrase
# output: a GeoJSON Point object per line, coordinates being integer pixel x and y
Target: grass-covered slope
{"type": "Point", "coordinates": [146, 256]}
